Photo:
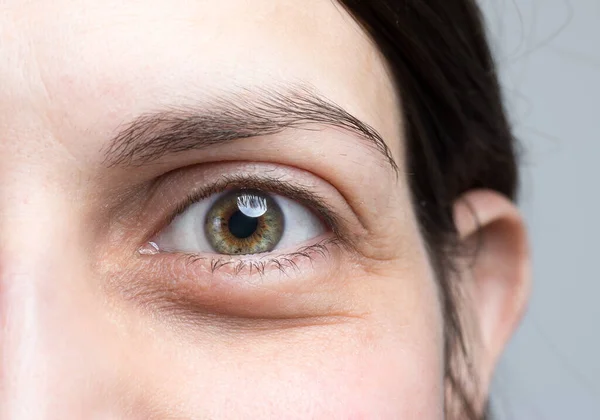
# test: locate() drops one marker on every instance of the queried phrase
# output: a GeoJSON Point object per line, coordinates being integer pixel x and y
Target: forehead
{"type": "Point", "coordinates": [90, 64]}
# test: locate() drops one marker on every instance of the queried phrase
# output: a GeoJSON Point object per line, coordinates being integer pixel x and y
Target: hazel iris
{"type": "Point", "coordinates": [244, 222]}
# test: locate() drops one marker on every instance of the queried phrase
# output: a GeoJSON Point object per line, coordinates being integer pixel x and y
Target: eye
{"type": "Point", "coordinates": [240, 222]}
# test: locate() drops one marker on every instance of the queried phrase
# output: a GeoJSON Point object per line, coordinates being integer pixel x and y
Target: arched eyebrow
{"type": "Point", "coordinates": [223, 119]}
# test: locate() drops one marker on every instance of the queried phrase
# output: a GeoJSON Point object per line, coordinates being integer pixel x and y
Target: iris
{"type": "Point", "coordinates": [244, 222]}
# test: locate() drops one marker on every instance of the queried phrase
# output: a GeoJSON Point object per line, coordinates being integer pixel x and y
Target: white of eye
{"type": "Point", "coordinates": [186, 233]}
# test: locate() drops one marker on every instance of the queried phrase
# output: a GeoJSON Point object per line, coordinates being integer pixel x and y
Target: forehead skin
{"type": "Point", "coordinates": [93, 64]}
{"type": "Point", "coordinates": [72, 72]}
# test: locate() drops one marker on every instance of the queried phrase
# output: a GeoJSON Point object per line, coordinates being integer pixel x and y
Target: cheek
{"type": "Point", "coordinates": [383, 382]}
{"type": "Point", "coordinates": [388, 364]}
{"type": "Point", "coordinates": [347, 372]}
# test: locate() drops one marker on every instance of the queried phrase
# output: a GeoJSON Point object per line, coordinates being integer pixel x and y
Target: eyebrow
{"type": "Point", "coordinates": [223, 119]}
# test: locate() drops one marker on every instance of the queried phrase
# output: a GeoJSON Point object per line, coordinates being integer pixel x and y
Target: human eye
{"type": "Point", "coordinates": [240, 221]}
{"type": "Point", "coordinates": [243, 223]}
{"type": "Point", "coordinates": [243, 240]}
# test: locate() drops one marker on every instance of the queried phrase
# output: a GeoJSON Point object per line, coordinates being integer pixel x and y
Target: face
{"type": "Point", "coordinates": [205, 214]}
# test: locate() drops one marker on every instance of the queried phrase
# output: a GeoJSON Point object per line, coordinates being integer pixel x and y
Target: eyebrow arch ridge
{"type": "Point", "coordinates": [245, 114]}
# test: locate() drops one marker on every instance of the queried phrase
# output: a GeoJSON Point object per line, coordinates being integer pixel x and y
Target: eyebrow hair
{"type": "Point", "coordinates": [219, 120]}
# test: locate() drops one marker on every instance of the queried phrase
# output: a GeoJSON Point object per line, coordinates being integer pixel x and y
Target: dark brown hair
{"type": "Point", "coordinates": [457, 134]}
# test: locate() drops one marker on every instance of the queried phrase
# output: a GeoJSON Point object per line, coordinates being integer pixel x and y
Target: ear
{"type": "Point", "coordinates": [497, 273]}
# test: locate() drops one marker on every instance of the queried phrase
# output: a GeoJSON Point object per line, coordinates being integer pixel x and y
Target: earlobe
{"type": "Point", "coordinates": [497, 271]}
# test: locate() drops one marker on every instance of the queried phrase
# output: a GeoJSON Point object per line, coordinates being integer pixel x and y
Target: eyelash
{"type": "Point", "coordinates": [283, 262]}
{"type": "Point", "coordinates": [238, 265]}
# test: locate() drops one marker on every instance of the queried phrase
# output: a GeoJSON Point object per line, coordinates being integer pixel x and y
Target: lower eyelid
{"type": "Point", "coordinates": [250, 265]}
{"type": "Point", "coordinates": [269, 286]}
{"type": "Point", "coordinates": [274, 269]}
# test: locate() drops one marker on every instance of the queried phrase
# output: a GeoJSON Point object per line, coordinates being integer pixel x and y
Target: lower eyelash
{"type": "Point", "coordinates": [283, 263]}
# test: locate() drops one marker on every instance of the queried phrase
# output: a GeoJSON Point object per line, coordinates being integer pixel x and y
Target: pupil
{"type": "Point", "coordinates": [242, 226]}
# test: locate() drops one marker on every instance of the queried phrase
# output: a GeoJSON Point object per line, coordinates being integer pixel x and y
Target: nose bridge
{"type": "Point", "coordinates": [59, 358]}
{"type": "Point", "coordinates": [39, 299]}
{"type": "Point", "coordinates": [24, 361]}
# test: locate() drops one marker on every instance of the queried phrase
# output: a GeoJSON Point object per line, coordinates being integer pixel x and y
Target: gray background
{"type": "Point", "coordinates": [549, 57]}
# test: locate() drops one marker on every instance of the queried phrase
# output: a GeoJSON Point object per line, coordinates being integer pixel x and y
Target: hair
{"type": "Point", "coordinates": [457, 133]}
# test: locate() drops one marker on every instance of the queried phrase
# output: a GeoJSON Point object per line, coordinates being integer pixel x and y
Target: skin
{"type": "Point", "coordinates": [91, 329]}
